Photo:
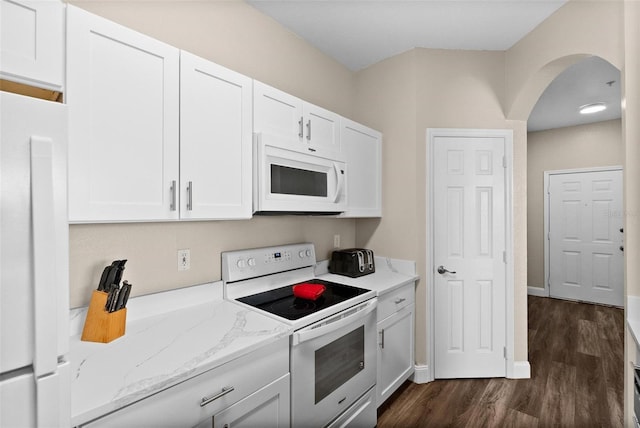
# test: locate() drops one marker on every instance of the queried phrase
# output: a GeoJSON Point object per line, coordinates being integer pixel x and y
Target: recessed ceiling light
{"type": "Point", "coordinates": [592, 108]}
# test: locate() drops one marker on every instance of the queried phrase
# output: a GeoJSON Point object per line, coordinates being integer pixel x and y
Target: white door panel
{"type": "Point", "coordinates": [585, 236]}
{"type": "Point", "coordinates": [469, 241]}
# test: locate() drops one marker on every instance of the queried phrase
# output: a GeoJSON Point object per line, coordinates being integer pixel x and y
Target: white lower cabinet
{"type": "Point", "coordinates": [268, 407]}
{"type": "Point", "coordinates": [395, 340]}
{"type": "Point", "coordinates": [253, 386]}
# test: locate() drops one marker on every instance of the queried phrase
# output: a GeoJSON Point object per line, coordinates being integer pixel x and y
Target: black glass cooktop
{"type": "Point", "coordinates": [282, 302]}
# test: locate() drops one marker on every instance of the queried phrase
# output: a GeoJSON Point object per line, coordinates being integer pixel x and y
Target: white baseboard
{"type": "Point", "coordinates": [518, 370]}
{"type": "Point", "coordinates": [421, 374]}
{"type": "Point", "coordinates": [537, 291]}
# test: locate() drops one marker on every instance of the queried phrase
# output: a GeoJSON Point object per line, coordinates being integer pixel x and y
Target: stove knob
{"type": "Point", "coordinates": [308, 253]}
{"type": "Point", "coordinates": [251, 262]}
{"type": "Point", "coordinates": [241, 264]}
{"type": "Point", "coordinates": [301, 254]}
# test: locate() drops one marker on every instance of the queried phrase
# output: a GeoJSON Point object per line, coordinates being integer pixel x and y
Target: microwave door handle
{"type": "Point", "coordinates": [339, 181]}
{"type": "Point", "coordinates": [335, 324]}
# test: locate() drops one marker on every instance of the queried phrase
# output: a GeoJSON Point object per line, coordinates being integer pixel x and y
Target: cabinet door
{"type": "Point", "coordinates": [215, 141]}
{"type": "Point", "coordinates": [395, 352]}
{"type": "Point", "coordinates": [268, 407]}
{"type": "Point", "coordinates": [322, 131]}
{"type": "Point", "coordinates": [122, 92]}
{"type": "Point", "coordinates": [32, 42]}
{"type": "Point", "coordinates": [362, 148]}
{"type": "Point", "coordinates": [277, 113]}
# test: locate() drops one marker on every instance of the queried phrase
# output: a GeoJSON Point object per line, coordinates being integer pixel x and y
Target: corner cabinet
{"type": "Point", "coordinates": [32, 42]}
{"type": "Point", "coordinates": [362, 148]}
{"type": "Point", "coordinates": [215, 141]}
{"type": "Point", "coordinates": [395, 340]}
{"type": "Point", "coordinates": [123, 98]}
{"type": "Point", "coordinates": [306, 126]}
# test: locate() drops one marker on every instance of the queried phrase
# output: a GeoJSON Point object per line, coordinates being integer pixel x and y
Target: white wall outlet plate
{"type": "Point", "coordinates": [336, 241]}
{"type": "Point", "coordinates": [184, 259]}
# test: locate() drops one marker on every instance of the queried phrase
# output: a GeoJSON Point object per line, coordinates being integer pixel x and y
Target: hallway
{"type": "Point", "coordinates": [576, 352]}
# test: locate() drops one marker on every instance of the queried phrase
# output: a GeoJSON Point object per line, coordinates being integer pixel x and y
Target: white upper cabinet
{"type": "Point", "coordinates": [305, 126]}
{"type": "Point", "coordinates": [32, 42]}
{"type": "Point", "coordinates": [215, 141]}
{"type": "Point", "coordinates": [362, 148]}
{"type": "Point", "coordinates": [123, 97]}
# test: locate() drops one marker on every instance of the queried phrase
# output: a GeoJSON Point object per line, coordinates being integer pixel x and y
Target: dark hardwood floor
{"type": "Point", "coordinates": [576, 352]}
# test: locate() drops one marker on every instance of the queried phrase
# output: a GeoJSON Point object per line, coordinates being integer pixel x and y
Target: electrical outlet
{"type": "Point", "coordinates": [336, 241]}
{"type": "Point", "coordinates": [184, 259]}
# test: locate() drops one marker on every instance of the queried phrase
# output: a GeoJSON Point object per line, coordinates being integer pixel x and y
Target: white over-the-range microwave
{"type": "Point", "coordinates": [290, 179]}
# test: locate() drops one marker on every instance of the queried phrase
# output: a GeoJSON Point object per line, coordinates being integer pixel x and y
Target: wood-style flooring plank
{"type": "Point", "coordinates": [576, 353]}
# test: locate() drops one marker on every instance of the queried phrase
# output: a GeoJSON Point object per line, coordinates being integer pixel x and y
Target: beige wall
{"type": "Point", "coordinates": [594, 145]}
{"type": "Point", "coordinates": [237, 36]}
{"type": "Point", "coordinates": [473, 90]}
{"type": "Point", "coordinates": [402, 97]}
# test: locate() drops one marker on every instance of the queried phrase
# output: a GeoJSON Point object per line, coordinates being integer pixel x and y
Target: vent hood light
{"type": "Point", "coordinates": [592, 108]}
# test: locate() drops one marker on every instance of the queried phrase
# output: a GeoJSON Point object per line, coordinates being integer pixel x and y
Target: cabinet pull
{"type": "Point", "coordinates": [225, 391]}
{"type": "Point", "coordinates": [190, 196]}
{"type": "Point", "coordinates": [398, 301]}
{"type": "Point", "coordinates": [309, 130]}
{"type": "Point", "coordinates": [172, 204]}
{"type": "Point", "coordinates": [382, 338]}
{"type": "Point", "coordinates": [300, 127]}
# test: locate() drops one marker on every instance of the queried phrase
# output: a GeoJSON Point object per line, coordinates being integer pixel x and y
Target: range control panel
{"type": "Point", "coordinates": [245, 264]}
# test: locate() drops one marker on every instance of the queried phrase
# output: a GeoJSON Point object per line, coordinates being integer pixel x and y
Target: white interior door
{"type": "Point", "coordinates": [469, 233]}
{"type": "Point", "coordinates": [585, 236]}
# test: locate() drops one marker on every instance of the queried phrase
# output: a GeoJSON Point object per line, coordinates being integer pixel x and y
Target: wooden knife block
{"type": "Point", "coordinates": [100, 325]}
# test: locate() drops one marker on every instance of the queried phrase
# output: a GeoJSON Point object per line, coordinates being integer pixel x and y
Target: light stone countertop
{"type": "Point", "coordinates": [170, 337]}
{"type": "Point", "coordinates": [176, 335]}
{"type": "Point", "coordinates": [633, 317]}
{"type": "Point", "coordinates": [390, 274]}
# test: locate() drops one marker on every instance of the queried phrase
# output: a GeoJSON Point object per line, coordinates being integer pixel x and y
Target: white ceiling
{"type": "Point", "coordinates": [359, 33]}
{"type": "Point", "coordinates": [583, 83]}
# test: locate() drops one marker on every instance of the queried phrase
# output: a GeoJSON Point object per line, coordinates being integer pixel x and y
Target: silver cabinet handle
{"type": "Point", "coordinates": [398, 301]}
{"type": "Point", "coordinates": [442, 270]}
{"type": "Point", "coordinates": [225, 391]}
{"type": "Point", "coordinates": [190, 196]}
{"type": "Point", "coordinates": [300, 127]}
{"type": "Point", "coordinates": [172, 204]}
{"type": "Point", "coordinates": [309, 130]}
{"type": "Point", "coordinates": [382, 338]}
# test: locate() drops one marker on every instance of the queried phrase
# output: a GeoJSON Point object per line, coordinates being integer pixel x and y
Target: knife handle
{"type": "Point", "coordinates": [123, 295]}
{"type": "Point", "coordinates": [102, 285]}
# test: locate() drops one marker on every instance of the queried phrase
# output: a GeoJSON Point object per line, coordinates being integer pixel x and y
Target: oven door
{"type": "Point", "coordinates": [333, 363]}
{"type": "Point", "coordinates": [288, 180]}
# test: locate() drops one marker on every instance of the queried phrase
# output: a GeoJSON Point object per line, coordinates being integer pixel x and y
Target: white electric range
{"type": "Point", "coordinates": [333, 347]}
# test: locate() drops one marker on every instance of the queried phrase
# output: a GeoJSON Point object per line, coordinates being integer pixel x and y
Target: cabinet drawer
{"type": "Point", "coordinates": [180, 405]}
{"type": "Point", "coordinates": [395, 300]}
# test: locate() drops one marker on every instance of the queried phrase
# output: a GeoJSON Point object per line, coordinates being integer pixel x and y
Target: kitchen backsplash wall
{"type": "Point", "coordinates": [151, 248]}
{"type": "Point", "coordinates": [237, 36]}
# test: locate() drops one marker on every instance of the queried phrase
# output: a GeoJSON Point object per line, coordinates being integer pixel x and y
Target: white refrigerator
{"type": "Point", "coordinates": [34, 259]}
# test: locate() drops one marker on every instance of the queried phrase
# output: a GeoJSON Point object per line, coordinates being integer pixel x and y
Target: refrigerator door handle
{"type": "Point", "coordinates": [44, 258]}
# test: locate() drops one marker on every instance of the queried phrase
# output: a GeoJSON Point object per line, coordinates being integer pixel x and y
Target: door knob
{"type": "Point", "coordinates": [442, 270]}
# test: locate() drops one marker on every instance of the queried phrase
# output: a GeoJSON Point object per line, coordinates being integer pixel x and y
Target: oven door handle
{"type": "Point", "coordinates": [335, 322]}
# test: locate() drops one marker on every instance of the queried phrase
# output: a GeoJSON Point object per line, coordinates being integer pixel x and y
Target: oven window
{"type": "Point", "coordinates": [338, 362]}
{"type": "Point", "coordinates": [294, 181]}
